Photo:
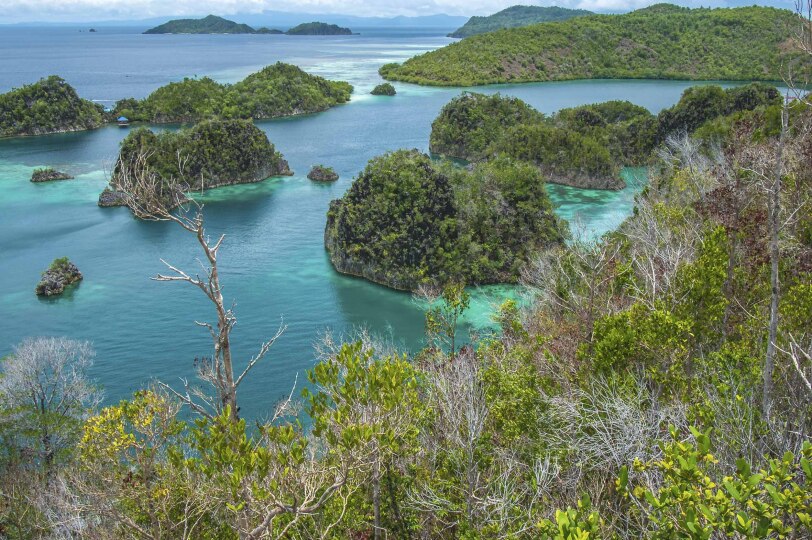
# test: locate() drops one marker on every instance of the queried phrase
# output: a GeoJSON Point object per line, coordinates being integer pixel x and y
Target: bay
{"type": "Point", "coordinates": [273, 261]}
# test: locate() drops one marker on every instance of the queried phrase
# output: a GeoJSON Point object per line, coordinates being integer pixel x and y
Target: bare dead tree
{"type": "Point", "coordinates": [45, 384]}
{"type": "Point", "coordinates": [153, 197]}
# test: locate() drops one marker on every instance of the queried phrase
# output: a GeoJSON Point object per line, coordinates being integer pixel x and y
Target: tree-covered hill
{"type": "Point", "coordinates": [662, 41]}
{"type": "Point", "coordinates": [211, 24]}
{"type": "Point", "coordinates": [407, 221]}
{"type": "Point", "coordinates": [318, 29]}
{"type": "Point", "coordinates": [277, 90]}
{"type": "Point", "coordinates": [211, 154]}
{"type": "Point", "coordinates": [50, 105]}
{"type": "Point", "coordinates": [514, 17]}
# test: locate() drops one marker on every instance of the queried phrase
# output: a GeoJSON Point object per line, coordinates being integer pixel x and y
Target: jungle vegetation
{"type": "Point", "coordinates": [662, 41]}
{"type": "Point", "coordinates": [584, 146]}
{"type": "Point", "coordinates": [277, 90]}
{"type": "Point", "coordinates": [407, 221]}
{"type": "Point", "coordinates": [50, 105]}
{"type": "Point", "coordinates": [210, 154]}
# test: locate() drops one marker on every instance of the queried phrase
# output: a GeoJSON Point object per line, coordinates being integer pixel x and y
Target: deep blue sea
{"type": "Point", "coordinates": [273, 261]}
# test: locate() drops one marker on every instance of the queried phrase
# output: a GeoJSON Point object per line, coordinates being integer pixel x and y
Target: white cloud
{"type": "Point", "coordinates": [84, 10]}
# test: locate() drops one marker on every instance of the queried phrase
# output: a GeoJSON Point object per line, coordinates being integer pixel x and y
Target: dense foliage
{"type": "Point", "coordinates": [211, 24]}
{"type": "Point", "coordinates": [50, 105]}
{"type": "Point", "coordinates": [470, 123]}
{"type": "Point", "coordinates": [407, 221]}
{"type": "Point", "coordinates": [514, 17]}
{"type": "Point", "coordinates": [699, 104]}
{"type": "Point", "coordinates": [318, 29]}
{"type": "Point", "coordinates": [583, 146]}
{"type": "Point", "coordinates": [212, 153]}
{"type": "Point", "coordinates": [277, 90]}
{"type": "Point", "coordinates": [661, 41]}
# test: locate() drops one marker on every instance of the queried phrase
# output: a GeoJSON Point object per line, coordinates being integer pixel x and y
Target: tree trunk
{"type": "Point", "coordinates": [376, 497]}
{"type": "Point", "coordinates": [775, 207]}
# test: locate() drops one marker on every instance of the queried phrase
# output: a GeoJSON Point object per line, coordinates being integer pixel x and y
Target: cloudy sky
{"type": "Point", "coordinates": [12, 11]}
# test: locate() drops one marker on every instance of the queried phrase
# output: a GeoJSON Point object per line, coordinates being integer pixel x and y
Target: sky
{"type": "Point", "coordinates": [14, 11]}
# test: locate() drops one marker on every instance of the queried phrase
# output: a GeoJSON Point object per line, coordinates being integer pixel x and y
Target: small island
{"type": "Point", "coordinates": [407, 221]}
{"type": "Point", "coordinates": [153, 168]}
{"type": "Point", "coordinates": [211, 24]}
{"type": "Point", "coordinates": [59, 275]}
{"type": "Point", "coordinates": [48, 174]}
{"type": "Point", "coordinates": [275, 91]}
{"type": "Point", "coordinates": [318, 29]}
{"type": "Point", "coordinates": [384, 89]}
{"type": "Point", "coordinates": [320, 173]}
{"type": "Point", "coordinates": [50, 105]}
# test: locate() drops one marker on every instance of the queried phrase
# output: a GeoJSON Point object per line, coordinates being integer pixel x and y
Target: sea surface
{"type": "Point", "coordinates": [273, 264]}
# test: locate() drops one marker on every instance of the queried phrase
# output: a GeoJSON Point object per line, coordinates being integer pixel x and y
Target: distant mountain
{"type": "Point", "coordinates": [211, 24]}
{"type": "Point", "coordinates": [318, 29]}
{"type": "Point", "coordinates": [514, 17]}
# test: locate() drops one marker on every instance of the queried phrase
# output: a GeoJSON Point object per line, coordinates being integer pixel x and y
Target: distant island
{"type": "Point", "coordinates": [514, 17]}
{"type": "Point", "coordinates": [662, 41]}
{"type": "Point", "coordinates": [318, 29]}
{"type": "Point", "coordinates": [211, 154]}
{"type": "Point", "coordinates": [50, 105]}
{"type": "Point", "coordinates": [212, 24]}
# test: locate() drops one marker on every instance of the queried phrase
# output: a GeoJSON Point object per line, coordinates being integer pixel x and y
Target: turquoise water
{"type": "Point", "coordinates": [273, 262]}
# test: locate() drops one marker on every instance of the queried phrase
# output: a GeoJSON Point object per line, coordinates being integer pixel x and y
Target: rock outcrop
{"type": "Point", "coordinates": [59, 275]}
{"type": "Point", "coordinates": [48, 175]}
{"type": "Point", "coordinates": [319, 173]}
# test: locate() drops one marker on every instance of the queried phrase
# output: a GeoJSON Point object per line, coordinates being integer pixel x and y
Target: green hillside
{"type": "Point", "coordinates": [514, 17]}
{"type": "Point", "coordinates": [659, 42]}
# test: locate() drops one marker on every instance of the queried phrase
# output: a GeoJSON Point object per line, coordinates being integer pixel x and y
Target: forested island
{"type": "Point", "coordinates": [277, 90]}
{"type": "Point", "coordinates": [161, 169]}
{"type": "Point", "coordinates": [662, 41]}
{"type": "Point", "coordinates": [582, 146]}
{"type": "Point", "coordinates": [213, 24]}
{"type": "Point", "coordinates": [50, 105]}
{"type": "Point", "coordinates": [53, 106]}
{"type": "Point", "coordinates": [318, 29]}
{"type": "Point", "coordinates": [514, 17]}
{"type": "Point", "coordinates": [407, 221]}
{"type": "Point", "coordinates": [210, 24]}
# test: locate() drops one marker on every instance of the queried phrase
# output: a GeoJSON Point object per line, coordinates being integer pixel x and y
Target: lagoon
{"type": "Point", "coordinates": [273, 261]}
